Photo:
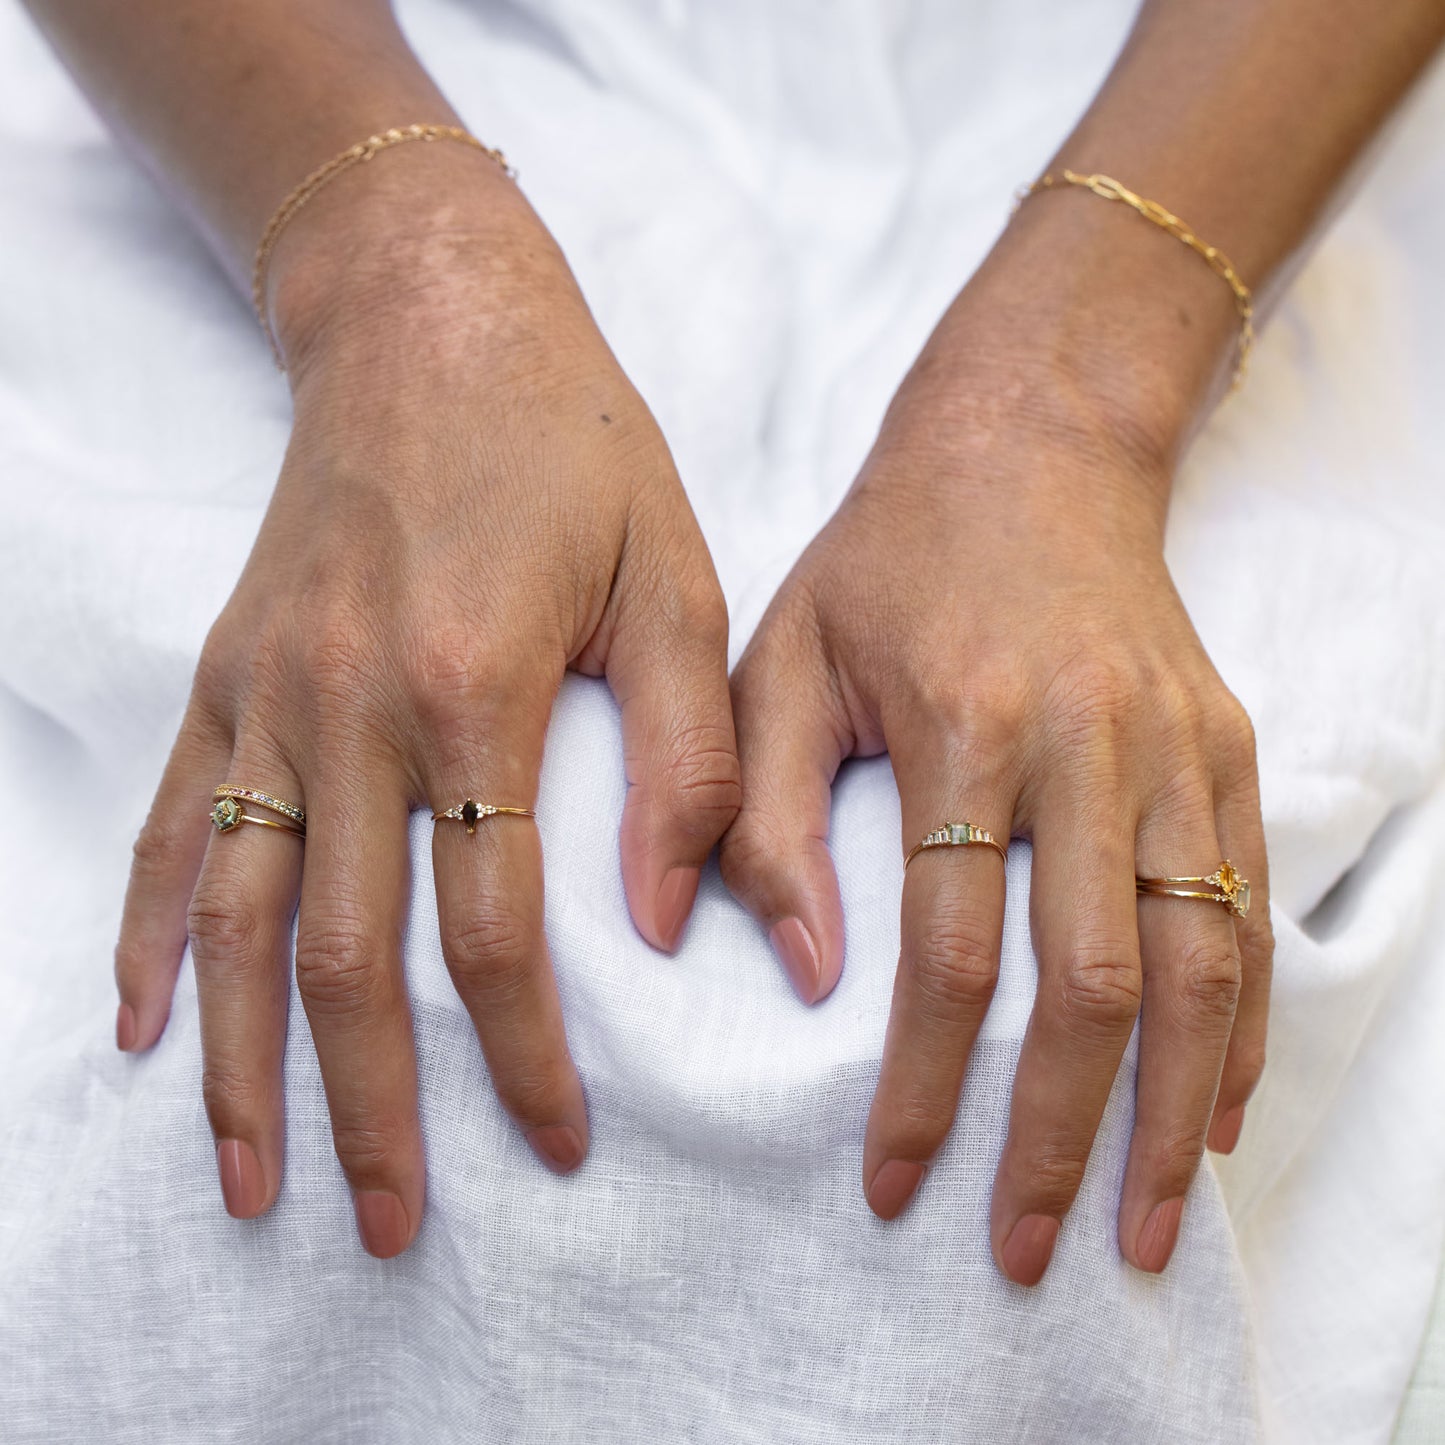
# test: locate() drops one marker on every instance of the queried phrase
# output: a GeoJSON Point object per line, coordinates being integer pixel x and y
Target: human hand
{"type": "Point", "coordinates": [990, 605]}
{"type": "Point", "coordinates": [474, 499]}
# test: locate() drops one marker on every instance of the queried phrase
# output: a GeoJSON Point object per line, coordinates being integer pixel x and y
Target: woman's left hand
{"type": "Point", "coordinates": [990, 604]}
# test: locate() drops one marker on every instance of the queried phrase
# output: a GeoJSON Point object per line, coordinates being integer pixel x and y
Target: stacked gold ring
{"type": "Point", "coordinates": [1225, 886]}
{"type": "Point", "coordinates": [227, 812]}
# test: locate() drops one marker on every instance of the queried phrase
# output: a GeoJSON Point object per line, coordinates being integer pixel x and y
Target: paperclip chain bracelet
{"type": "Point", "coordinates": [324, 175]}
{"type": "Point", "coordinates": [1111, 190]}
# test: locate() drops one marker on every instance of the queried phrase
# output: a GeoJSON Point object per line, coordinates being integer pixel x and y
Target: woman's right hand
{"type": "Point", "coordinates": [474, 499]}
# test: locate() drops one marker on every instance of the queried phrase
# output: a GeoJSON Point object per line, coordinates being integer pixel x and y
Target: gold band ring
{"type": "Point", "coordinates": [956, 835]}
{"type": "Point", "coordinates": [228, 812]}
{"type": "Point", "coordinates": [1229, 888]}
{"type": "Point", "coordinates": [472, 813]}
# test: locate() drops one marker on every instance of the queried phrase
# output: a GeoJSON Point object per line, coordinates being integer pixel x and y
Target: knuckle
{"type": "Point", "coordinates": [370, 1150]}
{"type": "Point", "coordinates": [539, 1096]}
{"type": "Point", "coordinates": [1234, 734]}
{"type": "Point", "coordinates": [1051, 1174]}
{"type": "Point", "coordinates": [954, 967]}
{"type": "Point", "coordinates": [231, 1098]}
{"type": "Point", "coordinates": [1092, 695]}
{"type": "Point", "coordinates": [336, 966]}
{"type": "Point", "coordinates": [982, 717]}
{"type": "Point", "coordinates": [1208, 980]}
{"type": "Point", "coordinates": [1101, 993]}
{"type": "Point", "coordinates": [754, 851]}
{"type": "Point", "coordinates": [1247, 1067]}
{"type": "Point", "coordinates": [222, 928]}
{"type": "Point", "coordinates": [1173, 1157]}
{"type": "Point", "coordinates": [918, 1124]}
{"type": "Point", "coordinates": [157, 847]}
{"type": "Point", "coordinates": [704, 780]}
{"type": "Point", "coordinates": [490, 955]}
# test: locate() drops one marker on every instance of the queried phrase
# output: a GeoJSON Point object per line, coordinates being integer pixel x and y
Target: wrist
{"type": "Point", "coordinates": [1131, 328]}
{"type": "Point", "coordinates": [401, 250]}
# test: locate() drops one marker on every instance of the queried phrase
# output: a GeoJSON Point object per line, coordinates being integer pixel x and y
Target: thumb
{"type": "Point", "coordinates": [775, 857]}
{"type": "Point", "coordinates": [667, 666]}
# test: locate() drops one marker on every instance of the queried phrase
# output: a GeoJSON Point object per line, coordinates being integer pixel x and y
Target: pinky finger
{"type": "Point", "coordinates": [165, 863]}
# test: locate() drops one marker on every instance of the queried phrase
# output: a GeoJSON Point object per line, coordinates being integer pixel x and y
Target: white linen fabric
{"type": "Point", "coordinates": [768, 204]}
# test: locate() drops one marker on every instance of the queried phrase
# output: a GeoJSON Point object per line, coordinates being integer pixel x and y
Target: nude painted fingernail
{"type": "Point", "coordinates": [1225, 1134]}
{"type": "Point", "coordinates": [799, 955]}
{"type": "Point", "coordinates": [893, 1186]}
{"type": "Point", "coordinates": [558, 1146]}
{"type": "Point", "coordinates": [381, 1221]}
{"type": "Point", "coordinates": [1029, 1248]}
{"type": "Point", "coordinates": [1156, 1240]}
{"type": "Point", "coordinates": [243, 1182]}
{"type": "Point", "coordinates": [674, 903]}
{"type": "Point", "coordinates": [125, 1028]}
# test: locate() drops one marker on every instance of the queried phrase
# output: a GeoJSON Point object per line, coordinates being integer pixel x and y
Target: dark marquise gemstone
{"type": "Point", "coordinates": [470, 813]}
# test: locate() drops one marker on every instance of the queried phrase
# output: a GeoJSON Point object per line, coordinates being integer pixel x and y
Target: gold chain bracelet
{"type": "Point", "coordinates": [323, 175]}
{"type": "Point", "coordinates": [1218, 262]}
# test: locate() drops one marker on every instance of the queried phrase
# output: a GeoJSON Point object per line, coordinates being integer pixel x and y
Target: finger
{"type": "Point", "coordinates": [349, 971]}
{"type": "Point", "coordinates": [1086, 937]}
{"type": "Point", "coordinates": [240, 928]}
{"type": "Point", "coordinates": [489, 904]}
{"type": "Point", "coordinates": [667, 666]}
{"type": "Point", "coordinates": [1241, 836]}
{"type": "Point", "coordinates": [775, 856]}
{"type": "Point", "coordinates": [1191, 985]}
{"type": "Point", "coordinates": [952, 925]}
{"type": "Point", "coordinates": [166, 860]}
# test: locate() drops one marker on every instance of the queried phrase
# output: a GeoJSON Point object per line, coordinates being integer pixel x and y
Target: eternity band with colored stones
{"type": "Point", "coordinates": [255, 795]}
{"type": "Point", "coordinates": [228, 814]}
{"type": "Point", "coordinates": [471, 813]}
{"type": "Point", "coordinates": [1226, 884]}
{"type": "Point", "coordinates": [956, 835]}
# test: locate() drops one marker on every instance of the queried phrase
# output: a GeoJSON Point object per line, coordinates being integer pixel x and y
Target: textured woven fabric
{"type": "Point", "coordinates": [768, 204]}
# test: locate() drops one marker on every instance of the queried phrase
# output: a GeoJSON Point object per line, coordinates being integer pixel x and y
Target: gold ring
{"type": "Point", "coordinates": [956, 835]}
{"type": "Point", "coordinates": [227, 813]}
{"type": "Point", "coordinates": [472, 813]}
{"type": "Point", "coordinates": [255, 795]}
{"type": "Point", "coordinates": [1229, 888]}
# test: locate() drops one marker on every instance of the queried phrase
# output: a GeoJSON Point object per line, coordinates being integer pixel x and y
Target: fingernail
{"type": "Point", "coordinates": [893, 1186]}
{"type": "Point", "coordinates": [558, 1146]}
{"type": "Point", "coordinates": [799, 956]}
{"type": "Point", "coordinates": [125, 1028]}
{"type": "Point", "coordinates": [1225, 1134]}
{"type": "Point", "coordinates": [243, 1184]}
{"type": "Point", "coordinates": [1029, 1248]}
{"type": "Point", "coordinates": [1156, 1240]}
{"type": "Point", "coordinates": [674, 901]}
{"type": "Point", "coordinates": [381, 1221]}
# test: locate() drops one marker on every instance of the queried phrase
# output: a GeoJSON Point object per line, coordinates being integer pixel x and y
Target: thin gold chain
{"type": "Point", "coordinates": [1111, 190]}
{"type": "Point", "coordinates": [324, 175]}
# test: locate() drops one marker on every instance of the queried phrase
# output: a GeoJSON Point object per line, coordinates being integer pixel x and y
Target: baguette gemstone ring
{"type": "Point", "coordinates": [956, 835]}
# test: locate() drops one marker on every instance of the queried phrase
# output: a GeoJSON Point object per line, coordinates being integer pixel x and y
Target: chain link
{"type": "Point", "coordinates": [322, 176]}
{"type": "Point", "coordinates": [1111, 190]}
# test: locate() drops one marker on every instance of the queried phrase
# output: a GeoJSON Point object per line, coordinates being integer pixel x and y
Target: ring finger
{"type": "Point", "coordinates": [1191, 987]}
{"type": "Point", "coordinates": [240, 928]}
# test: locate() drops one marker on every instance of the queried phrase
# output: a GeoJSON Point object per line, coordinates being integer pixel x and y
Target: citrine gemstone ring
{"type": "Point", "coordinates": [227, 812]}
{"type": "Point", "coordinates": [956, 835]}
{"type": "Point", "coordinates": [1226, 886]}
{"type": "Point", "coordinates": [471, 813]}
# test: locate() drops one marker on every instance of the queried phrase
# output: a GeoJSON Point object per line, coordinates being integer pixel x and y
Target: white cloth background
{"type": "Point", "coordinates": [768, 204]}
